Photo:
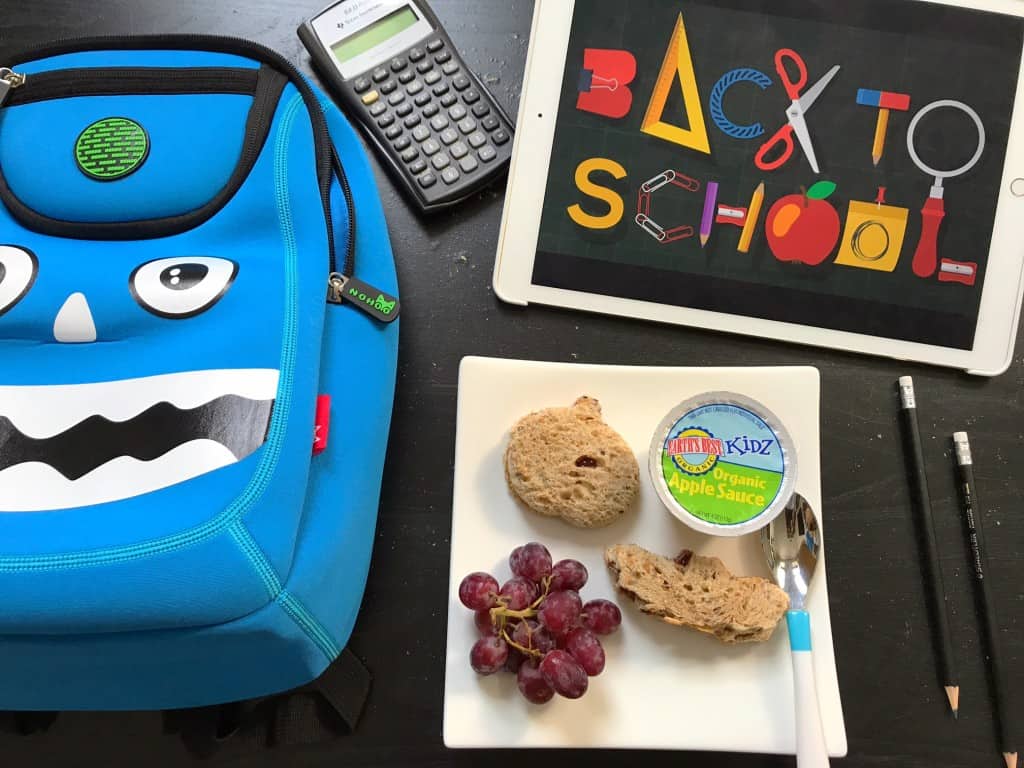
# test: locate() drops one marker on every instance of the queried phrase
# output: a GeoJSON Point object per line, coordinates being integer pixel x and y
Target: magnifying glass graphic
{"type": "Point", "coordinates": [926, 257]}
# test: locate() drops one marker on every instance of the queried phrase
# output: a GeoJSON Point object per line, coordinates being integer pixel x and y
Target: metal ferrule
{"type": "Point", "coordinates": [907, 399]}
{"type": "Point", "coordinates": [963, 449]}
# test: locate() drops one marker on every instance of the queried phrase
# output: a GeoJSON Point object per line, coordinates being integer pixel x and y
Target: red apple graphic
{"type": "Point", "coordinates": [804, 227]}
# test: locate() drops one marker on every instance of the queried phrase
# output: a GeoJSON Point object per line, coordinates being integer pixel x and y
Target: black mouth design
{"type": "Point", "coordinates": [237, 423]}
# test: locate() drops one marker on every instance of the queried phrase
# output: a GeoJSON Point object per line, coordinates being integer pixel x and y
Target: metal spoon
{"type": "Point", "coordinates": [792, 543]}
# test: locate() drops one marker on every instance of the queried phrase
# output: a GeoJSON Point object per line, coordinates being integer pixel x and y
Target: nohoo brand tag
{"type": "Point", "coordinates": [363, 296]}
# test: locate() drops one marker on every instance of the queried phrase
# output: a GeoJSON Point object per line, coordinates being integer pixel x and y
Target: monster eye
{"type": "Point", "coordinates": [18, 269]}
{"type": "Point", "coordinates": [181, 287]}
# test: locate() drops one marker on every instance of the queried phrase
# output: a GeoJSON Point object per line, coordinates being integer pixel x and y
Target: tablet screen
{"type": "Point", "coordinates": [683, 164]}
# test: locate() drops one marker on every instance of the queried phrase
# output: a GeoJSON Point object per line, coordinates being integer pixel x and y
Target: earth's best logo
{"type": "Point", "coordinates": [695, 450]}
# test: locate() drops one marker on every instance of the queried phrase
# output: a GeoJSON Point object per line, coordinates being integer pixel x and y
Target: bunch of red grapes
{"type": "Point", "coordinates": [537, 626]}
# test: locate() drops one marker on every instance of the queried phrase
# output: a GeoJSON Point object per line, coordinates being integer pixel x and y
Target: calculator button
{"type": "Point", "coordinates": [449, 136]}
{"type": "Point", "coordinates": [477, 140]}
{"type": "Point", "coordinates": [388, 87]}
{"type": "Point", "coordinates": [415, 54]}
{"type": "Point", "coordinates": [468, 164]}
{"type": "Point", "coordinates": [450, 68]}
{"type": "Point", "coordinates": [370, 98]}
{"type": "Point", "coordinates": [361, 84]}
{"type": "Point", "coordinates": [422, 133]}
{"type": "Point", "coordinates": [424, 66]}
{"type": "Point", "coordinates": [406, 76]}
{"type": "Point", "coordinates": [402, 143]}
{"type": "Point", "coordinates": [441, 90]}
{"type": "Point", "coordinates": [412, 121]}
{"type": "Point", "coordinates": [435, 45]}
{"type": "Point", "coordinates": [460, 82]}
{"type": "Point", "coordinates": [468, 125]}
{"type": "Point", "coordinates": [481, 109]}
{"type": "Point", "coordinates": [427, 180]}
{"type": "Point", "coordinates": [378, 109]}
{"type": "Point", "coordinates": [422, 100]}
{"type": "Point", "coordinates": [459, 150]}
{"type": "Point", "coordinates": [396, 98]}
{"type": "Point", "coordinates": [385, 121]}
{"type": "Point", "coordinates": [431, 147]}
{"type": "Point", "coordinates": [490, 123]}
{"type": "Point", "coordinates": [380, 75]}
{"type": "Point", "coordinates": [471, 97]}
{"type": "Point", "coordinates": [418, 167]}
{"type": "Point", "coordinates": [439, 123]}
{"type": "Point", "coordinates": [432, 77]}
{"type": "Point", "coordinates": [441, 161]}
{"type": "Point", "coordinates": [448, 99]}
{"type": "Point", "coordinates": [414, 87]}
{"type": "Point", "coordinates": [487, 154]}
{"type": "Point", "coordinates": [394, 132]}
{"type": "Point", "coordinates": [450, 175]}
{"type": "Point", "coordinates": [500, 137]}
{"type": "Point", "coordinates": [397, 65]}
{"type": "Point", "coordinates": [443, 56]}
{"type": "Point", "coordinates": [404, 110]}
{"type": "Point", "coordinates": [430, 110]}
{"type": "Point", "coordinates": [410, 154]}
{"type": "Point", "coordinates": [457, 112]}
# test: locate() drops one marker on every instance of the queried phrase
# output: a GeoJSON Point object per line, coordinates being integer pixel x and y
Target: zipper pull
{"type": "Point", "coordinates": [381, 306]}
{"type": "Point", "coordinates": [9, 79]}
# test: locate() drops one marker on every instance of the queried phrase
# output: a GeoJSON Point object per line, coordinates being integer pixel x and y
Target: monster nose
{"type": "Point", "coordinates": [74, 323]}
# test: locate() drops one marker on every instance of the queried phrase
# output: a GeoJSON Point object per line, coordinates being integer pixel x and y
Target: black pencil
{"type": "Point", "coordinates": [932, 569]}
{"type": "Point", "coordinates": [983, 595]}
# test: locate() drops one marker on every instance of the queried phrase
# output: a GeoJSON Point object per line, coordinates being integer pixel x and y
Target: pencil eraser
{"type": "Point", "coordinates": [959, 437]}
{"type": "Point", "coordinates": [868, 97]}
{"type": "Point", "coordinates": [906, 381]}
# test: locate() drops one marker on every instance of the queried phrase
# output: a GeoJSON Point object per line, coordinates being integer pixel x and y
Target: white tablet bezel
{"type": "Point", "coordinates": [517, 245]}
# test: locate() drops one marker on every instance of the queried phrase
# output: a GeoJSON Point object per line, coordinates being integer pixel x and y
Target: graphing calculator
{"type": "Point", "coordinates": [395, 70]}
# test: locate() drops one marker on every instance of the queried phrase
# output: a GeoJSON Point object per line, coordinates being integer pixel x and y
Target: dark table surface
{"type": "Point", "coordinates": [896, 714]}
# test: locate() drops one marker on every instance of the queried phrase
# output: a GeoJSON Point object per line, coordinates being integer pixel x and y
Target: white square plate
{"type": "Point", "coordinates": [663, 687]}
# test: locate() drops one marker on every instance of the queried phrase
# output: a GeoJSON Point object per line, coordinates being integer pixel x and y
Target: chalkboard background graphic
{"type": "Point", "coordinates": [928, 51]}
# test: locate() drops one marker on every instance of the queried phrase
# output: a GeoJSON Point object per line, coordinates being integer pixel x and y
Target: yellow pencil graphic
{"type": "Point", "coordinates": [753, 214]}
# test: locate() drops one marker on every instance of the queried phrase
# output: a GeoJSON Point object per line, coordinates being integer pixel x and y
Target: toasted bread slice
{"type": "Point", "coordinates": [566, 462]}
{"type": "Point", "coordinates": [698, 592]}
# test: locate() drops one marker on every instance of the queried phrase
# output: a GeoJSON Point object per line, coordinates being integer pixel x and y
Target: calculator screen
{"type": "Point", "coordinates": [373, 35]}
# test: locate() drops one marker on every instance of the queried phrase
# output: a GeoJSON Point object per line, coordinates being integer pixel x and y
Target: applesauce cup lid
{"type": "Point", "coordinates": [723, 463]}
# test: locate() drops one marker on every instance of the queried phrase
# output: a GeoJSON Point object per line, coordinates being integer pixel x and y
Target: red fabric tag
{"type": "Point", "coordinates": [323, 424]}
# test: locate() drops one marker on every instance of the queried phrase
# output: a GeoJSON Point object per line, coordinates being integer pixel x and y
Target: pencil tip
{"type": "Point", "coordinates": [953, 694]}
{"type": "Point", "coordinates": [1011, 759]}
{"type": "Point", "coordinates": [876, 159]}
{"type": "Point", "coordinates": [956, 714]}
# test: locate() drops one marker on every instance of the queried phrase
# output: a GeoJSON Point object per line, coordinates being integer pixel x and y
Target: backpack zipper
{"type": "Point", "coordinates": [117, 81]}
{"type": "Point", "coordinates": [9, 80]}
{"type": "Point", "coordinates": [328, 165]}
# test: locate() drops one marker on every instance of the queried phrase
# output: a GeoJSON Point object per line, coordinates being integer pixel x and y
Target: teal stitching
{"type": "Point", "coordinates": [309, 625]}
{"type": "Point", "coordinates": [295, 610]}
{"type": "Point", "coordinates": [251, 549]}
{"type": "Point", "coordinates": [272, 447]}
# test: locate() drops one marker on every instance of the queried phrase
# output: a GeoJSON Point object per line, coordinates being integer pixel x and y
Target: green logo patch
{"type": "Point", "coordinates": [111, 148]}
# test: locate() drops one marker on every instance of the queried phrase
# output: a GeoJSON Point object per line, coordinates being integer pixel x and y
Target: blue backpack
{"type": "Point", "coordinates": [196, 378]}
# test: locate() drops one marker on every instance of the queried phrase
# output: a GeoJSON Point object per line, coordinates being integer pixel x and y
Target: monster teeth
{"type": "Point", "coordinates": [36, 487]}
{"type": "Point", "coordinates": [47, 410]}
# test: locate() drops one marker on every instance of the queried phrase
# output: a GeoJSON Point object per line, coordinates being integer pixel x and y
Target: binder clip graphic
{"type": "Point", "coordinates": [604, 80]}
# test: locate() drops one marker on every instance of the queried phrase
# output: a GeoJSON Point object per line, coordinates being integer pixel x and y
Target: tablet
{"type": "Point", "coordinates": [848, 175]}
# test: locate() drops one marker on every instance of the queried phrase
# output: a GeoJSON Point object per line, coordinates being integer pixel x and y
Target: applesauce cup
{"type": "Point", "coordinates": [723, 464]}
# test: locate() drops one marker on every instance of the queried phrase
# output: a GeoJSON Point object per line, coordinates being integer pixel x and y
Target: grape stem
{"type": "Point", "coordinates": [521, 649]}
{"type": "Point", "coordinates": [500, 611]}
